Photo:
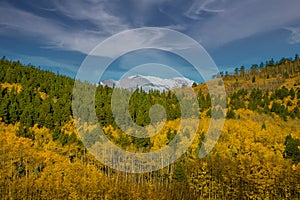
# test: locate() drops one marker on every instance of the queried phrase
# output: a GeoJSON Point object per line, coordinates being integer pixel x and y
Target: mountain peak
{"type": "Point", "coordinates": [148, 82]}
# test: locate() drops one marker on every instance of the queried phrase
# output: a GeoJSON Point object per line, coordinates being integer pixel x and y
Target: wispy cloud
{"type": "Point", "coordinates": [81, 25]}
{"type": "Point", "coordinates": [212, 22]}
{"type": "Point", "coordinates": [56, 34]}
{"type": "Point", "coordinates": [93, 12]}
{"type": "Point", "coordinates": [136, 39]}
{"type": "Point", "coordinates": [199, 9]}
{"type": "Point", "coordinates": [242, 19]}
{"type": "Point", "coordinates": [295, 35]}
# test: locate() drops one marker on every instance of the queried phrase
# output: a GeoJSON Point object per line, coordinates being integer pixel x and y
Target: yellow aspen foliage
{"type": "Point", "coordinates": [42, 137]}
{"type": "Point", "coordinates": [70, 128]}
{"type": "Point", "coordinates": [111, 132]}
{"type": "Point", "coordinates": [159, 140]}
{"type": "Point", "coordinates": [43, 95]}
{"type": "Point", "coordinates": [9, 86]}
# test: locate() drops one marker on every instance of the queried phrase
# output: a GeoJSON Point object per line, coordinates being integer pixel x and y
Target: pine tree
{"type": "Point", "coordinates": [179, 173]}
{"type": "Point", "coordinates": [230, 114]}
{"type": "Point", "coordinates": [4, 111]}
{"type": "Point", "coordinates": [263, 126]}
{"type": "Point", "coordinates": [292, 150]}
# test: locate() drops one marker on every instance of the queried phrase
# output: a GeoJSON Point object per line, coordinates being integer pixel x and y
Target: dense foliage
{"type": "Point", "coordinates": [257, 156]}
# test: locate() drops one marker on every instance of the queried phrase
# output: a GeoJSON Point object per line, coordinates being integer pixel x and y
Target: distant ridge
{"type": "Point", "coordinates": [148, 83]}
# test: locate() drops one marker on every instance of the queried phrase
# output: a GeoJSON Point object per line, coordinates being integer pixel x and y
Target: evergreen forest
{"type": "Point", "coordinates": [42, 155]}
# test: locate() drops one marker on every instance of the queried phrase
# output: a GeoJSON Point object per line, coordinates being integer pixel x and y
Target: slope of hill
{"type": "Point", "coordinates": [256, 157]}
{"type": "Point", "coordinates": [269, 76]}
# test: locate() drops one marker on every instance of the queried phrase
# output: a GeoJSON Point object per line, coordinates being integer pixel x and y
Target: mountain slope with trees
{"type": "Point", "coordinates": [256, 157]}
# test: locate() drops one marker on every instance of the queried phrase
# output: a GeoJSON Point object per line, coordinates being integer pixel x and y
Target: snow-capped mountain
{"type": "Point", "coordinates": [148, 83]}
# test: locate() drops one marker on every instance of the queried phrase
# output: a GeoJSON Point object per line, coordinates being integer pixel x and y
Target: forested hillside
{"type": "Point", "coordinates": [257, 156]}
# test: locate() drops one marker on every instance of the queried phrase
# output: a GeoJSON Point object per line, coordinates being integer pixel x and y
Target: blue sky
{"type": "Point", "coordinates": [57, 35]}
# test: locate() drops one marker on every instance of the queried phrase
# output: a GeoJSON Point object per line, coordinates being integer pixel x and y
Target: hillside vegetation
{"type": "Point", "coordinates": [256, 157]}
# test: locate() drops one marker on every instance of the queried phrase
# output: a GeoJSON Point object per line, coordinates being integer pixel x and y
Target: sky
{"type": "Point", "coordinates": [58, 35]}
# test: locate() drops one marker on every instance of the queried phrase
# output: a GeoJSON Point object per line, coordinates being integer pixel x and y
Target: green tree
{"type": "Point", "coordinates": [292, 150]}
{"type": "Point", "coordinates": [179, 173]}
{"type": "Point", "coordinates": [26, 118]}
{"type": "Point", "coordinates": [292, 93]}
{"type": "Point", "coordinates": [230, 114]}
{"type": "Point", "coordinates": [263, 126]}
{"type": "Point", "coordinates": [4, 110]}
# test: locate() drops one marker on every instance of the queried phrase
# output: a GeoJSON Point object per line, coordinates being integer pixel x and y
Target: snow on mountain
{"type": "Point", "coordinates": [148, 83]}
